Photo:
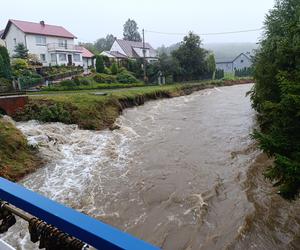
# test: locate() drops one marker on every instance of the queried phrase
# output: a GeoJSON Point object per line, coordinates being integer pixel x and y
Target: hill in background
{"type": "Point", "coordinates": [220, 50]}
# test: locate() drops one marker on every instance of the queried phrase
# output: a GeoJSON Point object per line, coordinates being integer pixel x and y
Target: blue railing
{"type": "Point", "coordinates": [81, 226]}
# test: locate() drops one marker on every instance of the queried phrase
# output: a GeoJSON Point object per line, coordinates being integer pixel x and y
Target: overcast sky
{"type": "Point", "coordinates": [92, 19]}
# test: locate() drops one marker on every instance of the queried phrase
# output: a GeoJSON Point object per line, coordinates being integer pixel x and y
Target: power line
{"type": "Point", "coordinates": [204, 34]}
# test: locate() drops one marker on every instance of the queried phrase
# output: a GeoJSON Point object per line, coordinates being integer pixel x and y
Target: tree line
{"type": "Point", "coordinates": [276, 95]}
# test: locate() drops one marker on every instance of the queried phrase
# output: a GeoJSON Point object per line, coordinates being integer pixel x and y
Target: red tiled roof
{"type": "Point", "coordinates": [86, 52]}
{"type": "Point", "coordinates": [38, 28]}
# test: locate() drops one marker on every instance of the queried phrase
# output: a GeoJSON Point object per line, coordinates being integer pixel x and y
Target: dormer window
{"type": "Point", "coordinates": [40, 40]}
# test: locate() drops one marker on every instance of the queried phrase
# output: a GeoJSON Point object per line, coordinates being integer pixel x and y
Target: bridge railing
{"type": "Point", "coordinates": [81, 226]}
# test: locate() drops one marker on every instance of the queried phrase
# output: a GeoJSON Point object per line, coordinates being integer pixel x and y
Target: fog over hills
{"type": "Point", "coordinates": [220, 50]}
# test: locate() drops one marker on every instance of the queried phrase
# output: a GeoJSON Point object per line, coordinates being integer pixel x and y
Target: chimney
{"type": "Point", "coordinates": [42, 23]}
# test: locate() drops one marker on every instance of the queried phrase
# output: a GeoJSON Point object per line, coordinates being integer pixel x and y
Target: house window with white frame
{"type": "Point", "coordinates": [43, 57]}
{"type": "Point", "coordinates": [53, 58]}
{"type": "Point", "coordinates": [76, 58]}
{"type": "Point", "coordinates": [62, 57]}
{"type": "Point", "coordinates": [40, 40]}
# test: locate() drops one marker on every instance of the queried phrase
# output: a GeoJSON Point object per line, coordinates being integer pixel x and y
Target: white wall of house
{"type": "Point", "coordinates": [226, 66]}
{"type": "Point", "coordinates": [87, 62]}
{"type": "Point", "coordinates": [13, 37]}
{"type": "Point", "coordinates": [241, 62]}
{"type": "Point", "coordinates": [117, 47]}
{"type": "Point", "coordinates": [41, 49]}
{"type": "Point", "coordinates": [2, 43]}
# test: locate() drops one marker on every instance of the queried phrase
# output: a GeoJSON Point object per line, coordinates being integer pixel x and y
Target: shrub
{"type": "Point", "coordinates": [107, 71]}
{"type": "Point", "coordinates": [5, 68]}
{"type": "Point", "coordinates": [68, 83]}
{"type": "Point", "coordinates": [126, 77]}
{"type": "Point", "coordinates": [99, 64]}
{"type": "Point", "coordinates": [19, 64]}
{"type": "Point", "coordinates": [114, 69]}
{"type": "Point", "coordinates": [5, 85]}
{"type": "Point", "coordinates": [104, 78]}
{"type": "Point", "coordinates": [219, 74]}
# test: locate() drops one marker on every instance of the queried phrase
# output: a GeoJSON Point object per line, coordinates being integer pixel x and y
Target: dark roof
{"type": "Point", "coordinates": [230, 60]}
{"type": "Point", "coordinates": [39, 28]}
{"type": "Point", "coordinates": [116, 54]}
{"type": "Point", "coordinates": [127, 47]}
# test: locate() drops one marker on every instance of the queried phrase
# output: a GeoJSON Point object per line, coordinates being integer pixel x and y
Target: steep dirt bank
{"type": "Point", "coordinates": [16, 157]}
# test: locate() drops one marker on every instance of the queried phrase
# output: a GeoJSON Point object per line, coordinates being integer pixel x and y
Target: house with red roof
{"type": "Point", "coordinates": [54, 45]}
{"type": "Point", "coordinates": [88, 58]}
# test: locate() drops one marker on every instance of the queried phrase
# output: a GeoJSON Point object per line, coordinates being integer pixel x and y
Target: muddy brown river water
{"type": "Point", "coordinates": [181, 173]}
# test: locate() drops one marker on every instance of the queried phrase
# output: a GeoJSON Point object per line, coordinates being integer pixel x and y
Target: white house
{"type": "Point", "coordinates": [54, 45]}
{"type": "Point", "coordinates": [239, 62]}
{"type": "Point", "coordinates": [131, 50]}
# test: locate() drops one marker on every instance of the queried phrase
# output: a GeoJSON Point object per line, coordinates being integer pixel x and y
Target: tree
{"type": "Point", "coordinates": [191, 57]}
{"type": "Point", "coordinates": [99, 64]}
{"type": "Point", "coordinates": [6, 67]}
{"type": "Point", "coordinates": [114, 68]}
{"type": "Point", "coordinates": [276, 94]}
{"type": "Point", "coordinates": [211, 65]}
{"type": "Point", "coordinates": [103, 44]}
{"type": "Point", "coordinates": [21, 51]}
{"type": "Point", "coordinates": [130, 31]}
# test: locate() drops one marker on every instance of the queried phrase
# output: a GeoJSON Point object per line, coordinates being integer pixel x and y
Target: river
{"type": "Point", "coordinates": [181, 173]}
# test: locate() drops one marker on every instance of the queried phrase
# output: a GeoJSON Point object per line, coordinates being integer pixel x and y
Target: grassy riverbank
{"type": "Point", "coordinates": [84, 108]}
{"type": "Point", "coordinates": [96, 112]}
{"type": "Point", "coordinates": [16, 157]}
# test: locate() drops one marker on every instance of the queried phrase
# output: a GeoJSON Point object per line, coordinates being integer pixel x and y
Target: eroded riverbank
{"type": "Point", "coordinates": [178, 173]}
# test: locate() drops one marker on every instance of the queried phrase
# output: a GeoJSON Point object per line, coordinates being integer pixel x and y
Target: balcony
{"type": "Point", "coordinates": [63, 47]}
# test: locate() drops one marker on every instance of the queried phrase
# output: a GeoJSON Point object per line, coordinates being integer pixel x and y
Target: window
{"type": "Point", "coordinates": [53, 58]}
{"type": "Point", "coordinates": [43, 57]}
{"type": "Point", "coordinates": [76, 57]}
{"type": "Point", "coordinates": [15, 41]}
{"type": "Point", "coordinates": [40, 40]}
{"type": "Point", "coordinates": [63, 57]}
{"type": "Point", "coordinates": [62, 43]}
{"type": "Point", "coordinates": [242, 61]}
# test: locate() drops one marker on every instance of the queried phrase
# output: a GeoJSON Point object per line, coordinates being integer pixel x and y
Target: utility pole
{"type": "Point", "coordinates": [144, 57]}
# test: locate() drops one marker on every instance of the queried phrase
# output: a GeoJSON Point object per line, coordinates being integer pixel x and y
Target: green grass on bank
{"type": "Point", "coordinates": [96, 112]}
{"type": "Point", "coordinates": [92, 86]}
{"type": "Point", "coordinates": [16, 157]}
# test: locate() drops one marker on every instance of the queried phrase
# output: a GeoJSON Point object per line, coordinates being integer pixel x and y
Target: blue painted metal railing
{"type": "Point", "coordinates": [81, 226]}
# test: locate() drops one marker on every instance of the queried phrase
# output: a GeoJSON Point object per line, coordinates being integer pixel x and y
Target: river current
{"type": "Point", "coordinates": [181, 173]}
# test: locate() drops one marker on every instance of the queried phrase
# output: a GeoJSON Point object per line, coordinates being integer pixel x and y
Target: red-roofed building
{"type": "Point", "coordinates": [54, 45]}
{"type": "Point", "coordinates": [88, 58]}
